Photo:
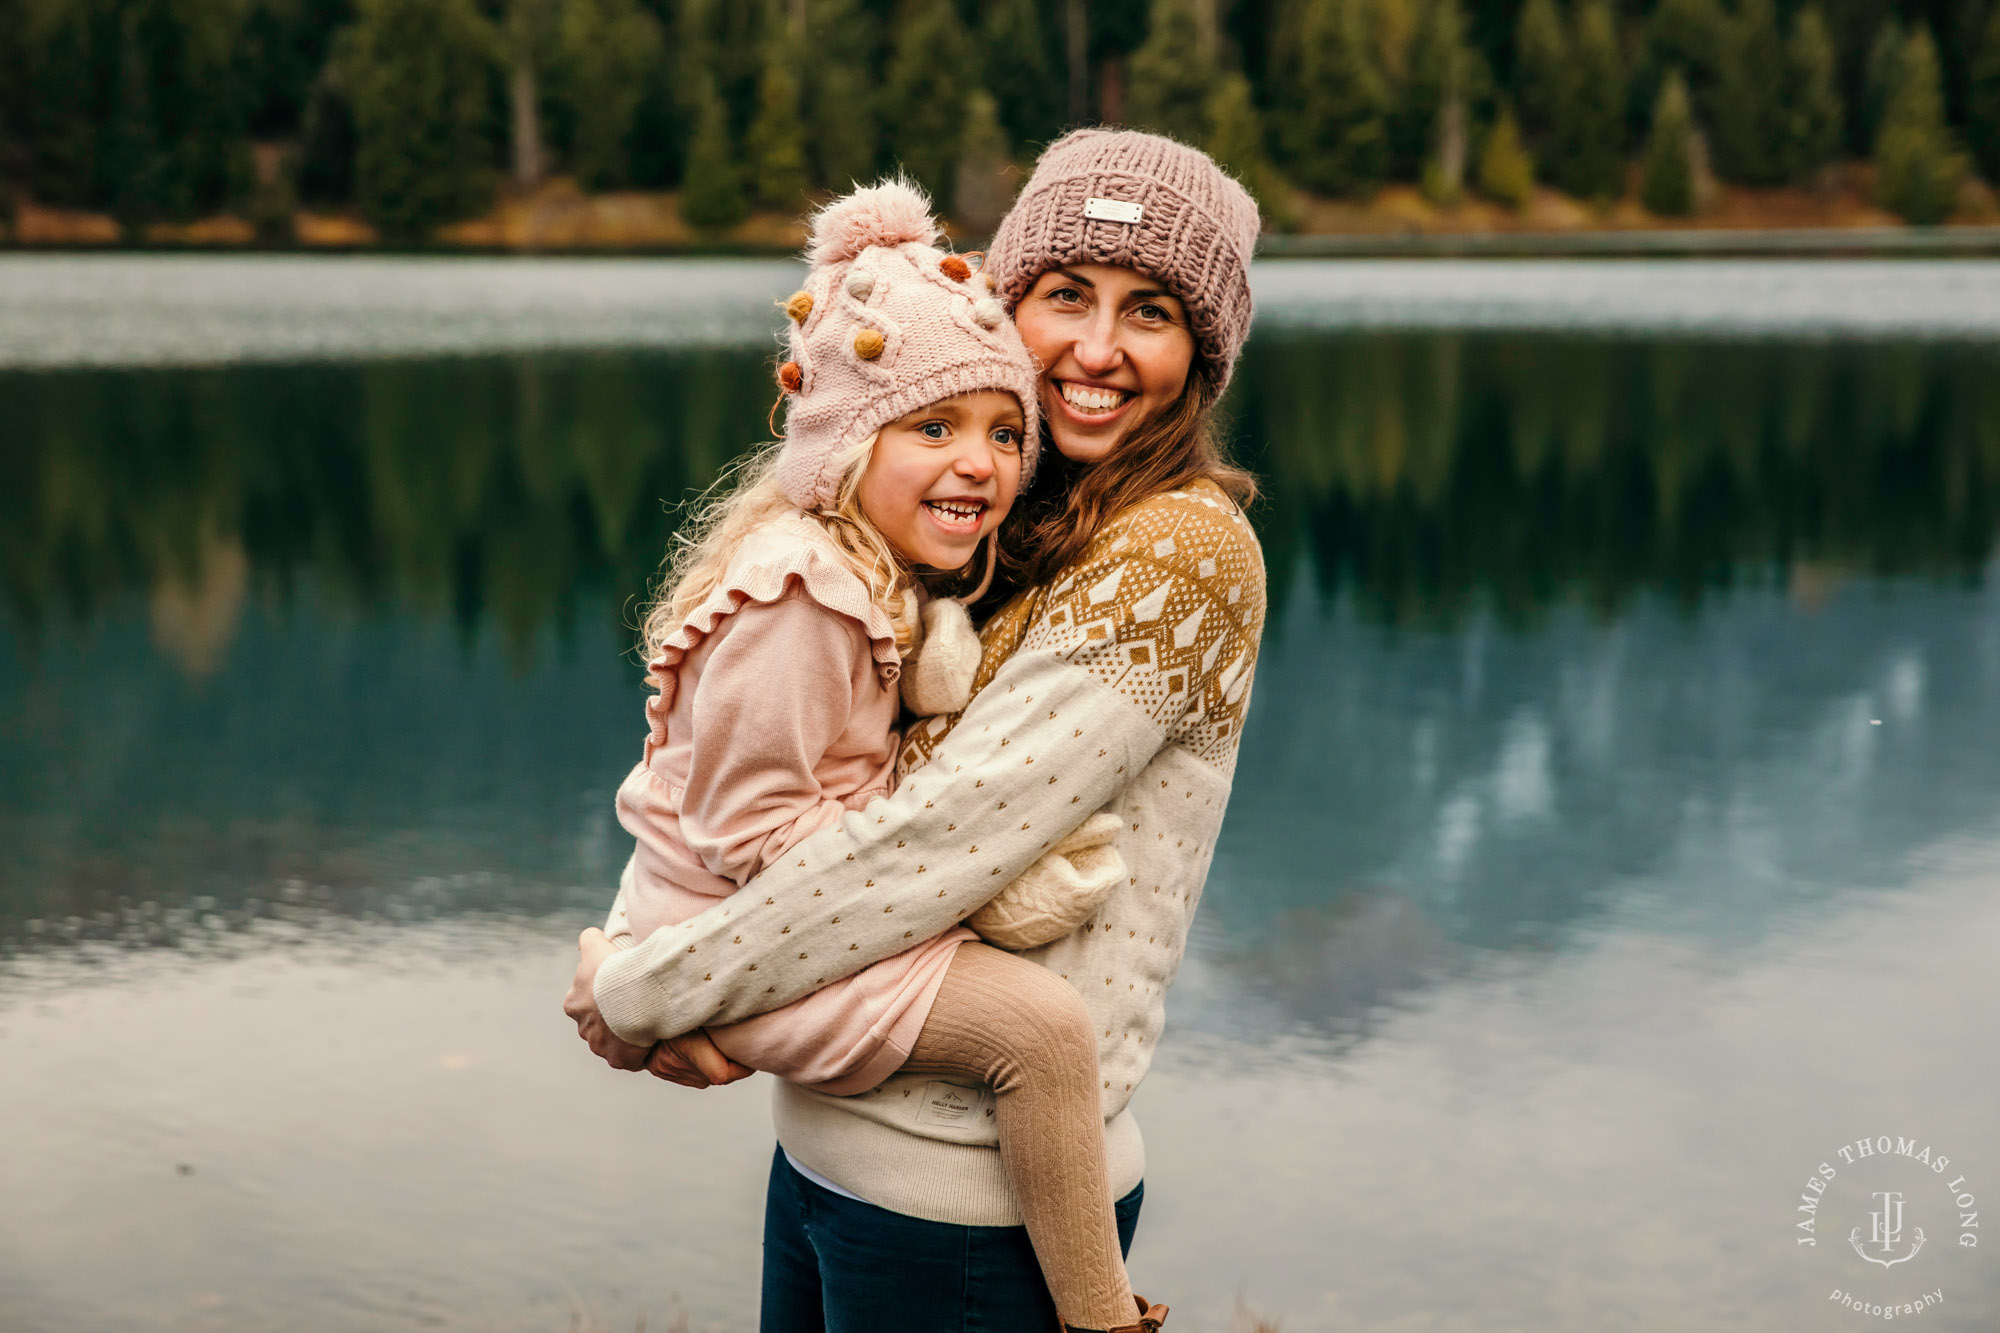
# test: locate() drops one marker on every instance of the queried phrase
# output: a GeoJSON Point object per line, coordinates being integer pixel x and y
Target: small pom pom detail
{"type": "Point", "coordinates": [798, 305]}
{"type": "Point", "coordinates": [988, 312]}
{"type": "Point", "coordinates": [860, 283]}
{"type": "Point", "coordinates": [955, 268]}
{"type": "Point", "coordinates": [790, 377]}
{"type": "Point", "coordinates": [868, 344]}
{"type": "Point", "coordinates": [891, 213]}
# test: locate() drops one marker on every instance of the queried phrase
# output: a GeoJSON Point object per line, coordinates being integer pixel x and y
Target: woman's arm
{"type": "Point", "coordinates": [1121, 652]}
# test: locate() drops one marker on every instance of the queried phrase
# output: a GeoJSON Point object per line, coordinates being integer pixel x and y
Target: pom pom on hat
{"type": "Point", "coordinates": [892, 213]}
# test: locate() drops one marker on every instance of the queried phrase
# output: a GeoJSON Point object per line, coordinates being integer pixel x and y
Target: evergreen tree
{"type": "Point", "coordinates": [1879, 74]}
{"type": "Point", "coordinates": [530, 33]}
{"type": "Point", "coordinates": [1690, 37]}
{"type": "Point", "coordinates": [1338, 136]}
{"type": "Point", "coordinates": [420, 81]}
{"type": "Point", "coordinates": [1918, 168]}
{"type": "Point", "coordinates": [1593, 161]}
{"type": "Point", "coordinates": [714, 194]}
{"type": "Point", "coordinates": [1506, 171]}
{"type": "Point", "coordinates": [612, 50]}
{"type": "Point", "coordinates": [1545, 82]}
{"type": "Point", "coordinates": [1172, 74]}
{"type": "Point", "coordinates": [134, 167]}
{"type": "Point", "coordinates": [1747, 113]}
{"type": "Point", "coordinates": [327, 142]}
{"type": "Point", "coordinates": [981, 189]}
{"type": "Point", "coordinates": [1983, 104]}
{"type": "Point", "coordinates": [1667, 181]}
{"type": "Point", "coordinates": [1438, 66]}
{"type": "Point", "coordinates": [1235, 139]}
{"type": "Point", "coordinates": [1811, 115]}
{"type": "Point", "coordinates": [64, 61]}
{"type": "Point", "coordinates": [776, 142]}
{"type": "Point", "coordinates": [924, 95]}
{"type": "Point", "coordinates": [1018, 65]}
{"type": "Point", "coordinates": [841, 139]}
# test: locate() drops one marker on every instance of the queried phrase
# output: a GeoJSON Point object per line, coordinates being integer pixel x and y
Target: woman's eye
{"type": "Point", "coordinates": [1155, 313]}
{"type": "Point", "coordinates": [1066, 296]}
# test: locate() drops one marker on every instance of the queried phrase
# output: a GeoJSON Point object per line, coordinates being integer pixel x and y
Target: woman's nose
{"type": "Point", "coordinates": [1097, 352]}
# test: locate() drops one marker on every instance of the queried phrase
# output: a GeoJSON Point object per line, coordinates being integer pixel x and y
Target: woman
{"type": "Point", "coordinates": [1115, 678]}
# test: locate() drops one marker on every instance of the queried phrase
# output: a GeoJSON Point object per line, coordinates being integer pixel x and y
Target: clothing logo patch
{"type": "Point", "coordinates": [953, 1106]}
{"type": "Point", "coordinates": [1112, 210]}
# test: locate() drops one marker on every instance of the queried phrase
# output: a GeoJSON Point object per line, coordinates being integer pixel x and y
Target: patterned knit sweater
{"type": "Point", "coordinates": [1120, 686]}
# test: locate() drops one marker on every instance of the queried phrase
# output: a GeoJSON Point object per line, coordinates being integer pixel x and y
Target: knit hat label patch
{"type": "Point", "coordinates": [1112, 210]}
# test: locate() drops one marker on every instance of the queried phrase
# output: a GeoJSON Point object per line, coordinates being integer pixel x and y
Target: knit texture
{"type": "Point", "coordinates": [1196, 233]}
{"type": "Point", "coordinates": [887, 323]}
{"type": "Point", "coordinates": [1057, 893]}
{"type": "Point", "coordinates": [1122, 687]}
{"type": "Point", "coordinates": [1003, 1024]}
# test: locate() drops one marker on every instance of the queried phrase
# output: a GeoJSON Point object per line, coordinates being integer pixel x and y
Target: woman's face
{"type": "Point", "coordinates": [1115, 347]}
{"type": "Point", "coordinates": [942, 477]}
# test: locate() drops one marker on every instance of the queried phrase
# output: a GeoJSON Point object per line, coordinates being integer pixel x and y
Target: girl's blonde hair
{"type": "Point", "coordinates": [720, 519]}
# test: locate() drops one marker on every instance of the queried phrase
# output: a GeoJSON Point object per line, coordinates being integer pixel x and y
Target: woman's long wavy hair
{"type": "Point", "coordinates": [1070, 502]}
{"type": "Point", "coordinates": [745, 498]}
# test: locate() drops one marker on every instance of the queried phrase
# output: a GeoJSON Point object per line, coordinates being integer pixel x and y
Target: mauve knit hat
{"type": "Point", "coordinates": [1137, 200]}
{"type": "Point", "coordinates": [885, 324]}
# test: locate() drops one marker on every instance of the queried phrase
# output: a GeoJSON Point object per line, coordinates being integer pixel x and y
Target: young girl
{"type": "Point", "coordinates": [786, 621]}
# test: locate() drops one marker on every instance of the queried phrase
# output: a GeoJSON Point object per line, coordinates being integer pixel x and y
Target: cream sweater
{"type": "Point", "coordinates": [1121, 686]}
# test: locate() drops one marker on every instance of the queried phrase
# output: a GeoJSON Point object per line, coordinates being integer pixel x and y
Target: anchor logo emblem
{"type": "Point", "coordinates": [1887, 1232]}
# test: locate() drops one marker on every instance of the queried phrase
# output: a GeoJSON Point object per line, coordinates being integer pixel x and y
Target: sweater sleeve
{"type": "Point", "coordinates": [774, 696]}
{"type": "Point", "coordinates": [1117, 657]}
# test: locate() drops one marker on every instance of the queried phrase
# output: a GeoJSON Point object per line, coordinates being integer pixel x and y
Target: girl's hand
{"type": "Point", "coordinates": [581, 1005]}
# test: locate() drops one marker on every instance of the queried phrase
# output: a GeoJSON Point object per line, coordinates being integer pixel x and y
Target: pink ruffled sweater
{"type": "Point", "coordinates": [776, 715]}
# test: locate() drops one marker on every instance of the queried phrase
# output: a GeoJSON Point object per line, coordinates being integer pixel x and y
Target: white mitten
{"type": "Point", "coordinates": [1058, 893]}
{"type": "Point", "coordinates": [940, 679]}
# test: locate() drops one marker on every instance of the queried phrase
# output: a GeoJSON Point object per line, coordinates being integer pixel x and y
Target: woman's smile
{"type": "Point", "coordinates": [1092, 404]}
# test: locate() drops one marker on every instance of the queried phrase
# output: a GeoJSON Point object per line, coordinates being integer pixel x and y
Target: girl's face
{"type": "Point", "coordinates": [1115, 347]}
{"type": "Point", "coordinates": [942, 477]}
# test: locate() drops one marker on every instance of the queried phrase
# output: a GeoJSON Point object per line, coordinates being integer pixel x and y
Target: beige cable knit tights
{"type": "Point", "coordinates": [1021, 1030]}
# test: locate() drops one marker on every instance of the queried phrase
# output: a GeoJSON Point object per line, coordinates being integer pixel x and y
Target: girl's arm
{"type": "Point", "coordinates": [1120, 654]}
{"type": "Point", "coordinates": [774, 696]}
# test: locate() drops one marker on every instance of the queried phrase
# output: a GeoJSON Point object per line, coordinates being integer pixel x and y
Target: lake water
{"type": "Point", "coordinates": [1616, 835]}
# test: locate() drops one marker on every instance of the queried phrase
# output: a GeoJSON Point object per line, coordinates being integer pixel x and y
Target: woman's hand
{"type": "Point", "coordinates": [694, 1061]}
{"type": "Point", "coordinates": [691, 1060]}
{"type": "Point", "coordinates": [580, 1004]}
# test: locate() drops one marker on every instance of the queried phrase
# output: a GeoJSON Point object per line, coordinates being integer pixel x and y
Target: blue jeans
{"type": "Point", "coordinates": [837, 1265]}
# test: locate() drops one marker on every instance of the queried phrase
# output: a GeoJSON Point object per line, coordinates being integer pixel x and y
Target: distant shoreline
{"type": "Point", "coordinates": [1396, 222]}
{"type": "Point", "coordinates": [1962, 241]}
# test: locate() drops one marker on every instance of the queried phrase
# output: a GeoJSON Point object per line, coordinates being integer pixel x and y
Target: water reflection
{"type": "Point", "coordinates": [1608, 682]}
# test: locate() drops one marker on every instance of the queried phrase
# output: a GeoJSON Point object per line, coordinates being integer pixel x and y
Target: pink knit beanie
{"type": "Point", "coordinates": [1103, 196]}
{"type": "Point", "coordinates": [885, 324]}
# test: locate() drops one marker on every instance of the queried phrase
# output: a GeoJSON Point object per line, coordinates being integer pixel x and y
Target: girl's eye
{"type": "Point", "coordinates": [933, 430]}
{"type": "Point", "coordinates": [1007, 437]}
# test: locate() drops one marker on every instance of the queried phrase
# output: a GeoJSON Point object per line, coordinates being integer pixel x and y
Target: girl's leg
{"type": "Point", "coordinates": [1021, 1030]}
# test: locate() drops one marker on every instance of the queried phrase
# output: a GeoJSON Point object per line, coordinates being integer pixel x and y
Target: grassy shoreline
{"type": "Point", "coordinates": [557, 218]}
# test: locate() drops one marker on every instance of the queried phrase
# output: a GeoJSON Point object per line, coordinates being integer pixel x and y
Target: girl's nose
{"type": "Point", "coordinates": [974, 463]}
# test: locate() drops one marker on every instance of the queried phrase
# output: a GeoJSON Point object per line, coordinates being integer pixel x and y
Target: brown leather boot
{"type": "Point", "coordinates": [1150, 1319]}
